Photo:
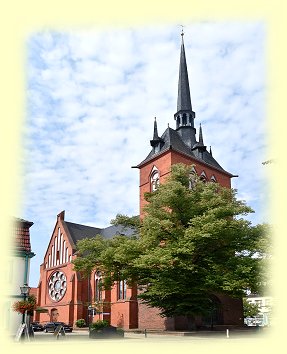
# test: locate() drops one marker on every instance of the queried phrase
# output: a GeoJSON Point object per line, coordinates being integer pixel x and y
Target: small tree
{"type": "Point", "coordinates": [249, 309]}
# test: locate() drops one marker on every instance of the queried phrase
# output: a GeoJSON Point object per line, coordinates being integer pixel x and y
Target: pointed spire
{"type": "Point", "coordinates": [155, 133]}
{"type": "Point", "coordinates": [183, 98]}
{"type": "Point", "coordinates": [210, 151]}
{"type": "Point", "coordinates": [200, 141]}
{"type": "Point", "coordinates": [184, 116]}
{"type": "Point", "coordinates": [156, 140]}
{"type": "Point", "coordinates": [200, 144]}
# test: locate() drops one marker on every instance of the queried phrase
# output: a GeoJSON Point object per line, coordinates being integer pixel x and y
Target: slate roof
{"type": "Point", "coordinates": [173, 141]}
{"type": "Point", "coordinates": [79, 232]}
{"type": "Point", "coordinates": [183, 98]}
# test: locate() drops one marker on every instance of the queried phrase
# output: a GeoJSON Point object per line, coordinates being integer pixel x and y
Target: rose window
{"type": "Point", "coordinates": [57, 286]}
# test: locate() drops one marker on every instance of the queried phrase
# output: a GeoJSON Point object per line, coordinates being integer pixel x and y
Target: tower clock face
{"type": "Point", "coordinates": [57, 285]}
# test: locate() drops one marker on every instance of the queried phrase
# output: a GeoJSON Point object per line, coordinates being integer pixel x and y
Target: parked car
{"type": "Point", "coordinates": [37, 326]}
{"type": "Point", "coordinates": [51, 326]}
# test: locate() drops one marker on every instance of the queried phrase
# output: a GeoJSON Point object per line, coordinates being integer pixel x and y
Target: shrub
{"type": "Point", "coordinates": [80, 323]}
{"type": "Point", "coordinates": [100, 324]}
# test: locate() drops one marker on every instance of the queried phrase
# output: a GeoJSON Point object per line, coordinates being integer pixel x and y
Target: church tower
{"type": "Point", "coordinates": [179, 145]}
{"type": "Point", "coordinates": [182, 145]}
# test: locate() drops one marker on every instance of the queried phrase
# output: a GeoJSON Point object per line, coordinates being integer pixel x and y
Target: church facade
{"type": "Point", "coordinates": [69, 297]}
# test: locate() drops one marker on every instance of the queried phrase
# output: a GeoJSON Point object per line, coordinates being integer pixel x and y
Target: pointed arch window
{"type": "Point", "coordinates": [98, 290]}
{"type": "Point", "coordinates": [203, 177]}
{"type": "Point", "coordinates": [154, 180]}
{"type": "Point", "coordinates": [213, 179]}
{"type": "Point", "coordinates": [122, 290]}
{"type": "Point", "coordinates": [192, 177]}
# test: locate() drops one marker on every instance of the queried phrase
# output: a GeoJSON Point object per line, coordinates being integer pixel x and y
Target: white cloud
{"type": "Point", "coordinates": [92, 97]}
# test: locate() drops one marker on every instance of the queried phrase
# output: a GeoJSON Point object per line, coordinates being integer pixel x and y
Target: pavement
{"type": "Point", "coordinates": [159, 336]}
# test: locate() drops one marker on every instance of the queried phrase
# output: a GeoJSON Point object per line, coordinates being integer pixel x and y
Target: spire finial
{"type": "Point", "coordinates": [182, 33]}
{"type": "Point", "coordinates": [155, 133]}
{"type": "Point", "coordinates": [210, 151]}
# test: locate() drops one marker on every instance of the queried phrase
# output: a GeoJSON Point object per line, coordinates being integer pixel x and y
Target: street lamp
{"type": "Point", "coordinates": [25, 289]}
{"type": "Point", "coordinates": [90, 314]}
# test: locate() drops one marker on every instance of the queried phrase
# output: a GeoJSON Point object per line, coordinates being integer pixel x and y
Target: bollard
{"type": "Point", "coordinates": [145, 334]}
{"type": "Point", "coordinates": [227, 333]}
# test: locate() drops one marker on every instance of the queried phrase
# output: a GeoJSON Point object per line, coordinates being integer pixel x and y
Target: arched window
{"type": "Point", "coordinates": [213, 179]}
{"type": "Point", "coordinates": [203, 177]}
{"type": "Point", "coordinates": [98, 291]}
{"type": "Point", "coordinates": [122, 290]}
{"type": "Point", "coordinates": [154, 180]}
{"type": "Point", "coordinates": [192, 177]}
{"type": "Point", "coordinates": [184, 121]}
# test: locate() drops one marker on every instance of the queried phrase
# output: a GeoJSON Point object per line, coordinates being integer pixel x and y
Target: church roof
{"type": "Point", "coordinates": [79, 232]}
{"type": "Point", "coordinates": [173, 141]}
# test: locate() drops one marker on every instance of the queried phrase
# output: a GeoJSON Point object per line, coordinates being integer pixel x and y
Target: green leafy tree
{"type": "Point", "coordinates": [249, 309]}
{"type": "Point", "coordinates": [191, 244]}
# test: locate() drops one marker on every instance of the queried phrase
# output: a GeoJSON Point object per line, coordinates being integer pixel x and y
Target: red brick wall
{"type": "Point", "coordinates": [124, 312]}
{"type": "Point", "coordinates": [73, 304]}
{"type": "Point", "coordinates": [149, 318]}
{"type": "Point", "coordinates": [222, 178]}
{"type": "Point", "coordinates": [164, 162]}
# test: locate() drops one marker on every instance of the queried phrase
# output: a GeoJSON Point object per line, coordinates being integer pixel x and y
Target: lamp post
{"type": "Point", "coordinates": [90, 314]}
{"type": "Point", "coordinates": [25, 289]}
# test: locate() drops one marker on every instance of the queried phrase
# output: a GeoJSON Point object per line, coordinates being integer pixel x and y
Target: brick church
{"type": "Point", "coordinates": [69, 297]}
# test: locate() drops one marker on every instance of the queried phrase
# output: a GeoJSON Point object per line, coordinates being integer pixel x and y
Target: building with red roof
{"type": "Point", "coordinates": [19, 269]}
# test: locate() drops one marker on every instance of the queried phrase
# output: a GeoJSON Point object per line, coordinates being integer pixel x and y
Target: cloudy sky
{"type": "Point", "coordinates": [92, 96]}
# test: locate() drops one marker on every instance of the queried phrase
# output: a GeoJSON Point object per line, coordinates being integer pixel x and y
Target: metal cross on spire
{"type": "Point", "coordinates": [182, 33]}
